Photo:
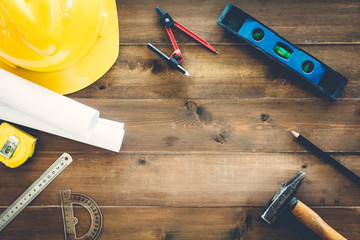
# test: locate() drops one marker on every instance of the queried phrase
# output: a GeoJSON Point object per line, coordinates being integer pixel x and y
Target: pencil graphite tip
{"type": "Point", "coordinates": [295, 133]}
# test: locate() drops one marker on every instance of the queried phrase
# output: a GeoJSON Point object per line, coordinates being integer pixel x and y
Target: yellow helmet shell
{"type": "Point", "coordinates": [63, 45]}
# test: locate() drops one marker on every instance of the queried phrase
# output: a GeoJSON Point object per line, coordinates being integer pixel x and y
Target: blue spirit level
{"type": "Point", "coordinates": [299, 62]}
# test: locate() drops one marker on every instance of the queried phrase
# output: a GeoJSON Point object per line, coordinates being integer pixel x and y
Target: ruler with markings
{"type": "Point", "coordinates": [34, 190]}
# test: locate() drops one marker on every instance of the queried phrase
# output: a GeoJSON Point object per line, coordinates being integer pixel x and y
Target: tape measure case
{"type": "Point", "coordinates": [16, 146]}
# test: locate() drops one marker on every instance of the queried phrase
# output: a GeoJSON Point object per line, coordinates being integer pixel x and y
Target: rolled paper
{"type": "Point", "coordinates": [28, 104]}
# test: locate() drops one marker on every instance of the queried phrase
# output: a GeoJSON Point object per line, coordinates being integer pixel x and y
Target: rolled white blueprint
{"type": "Point", "coordinates": [31, 105]}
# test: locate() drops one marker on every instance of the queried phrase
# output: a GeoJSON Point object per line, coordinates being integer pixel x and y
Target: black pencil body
{"type": "Point", "coordinates": [326, 157]}
{"type": "Point", "coordinates": [172, 62]}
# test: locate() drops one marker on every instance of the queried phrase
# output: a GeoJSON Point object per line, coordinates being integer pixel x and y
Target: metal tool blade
{"type": "Point", "coordinates": [279, 202]}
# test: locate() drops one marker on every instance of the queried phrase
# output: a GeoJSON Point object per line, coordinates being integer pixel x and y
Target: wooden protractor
{"type": "Point", "coordinates": [68, 200]}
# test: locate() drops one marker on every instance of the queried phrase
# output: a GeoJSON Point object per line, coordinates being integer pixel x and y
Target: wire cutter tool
{"type": "Point", "coordinates": [176, 57]}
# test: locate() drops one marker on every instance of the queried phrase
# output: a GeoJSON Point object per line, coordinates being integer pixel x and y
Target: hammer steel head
{"type": "Point", "coordinates": [281, 199]}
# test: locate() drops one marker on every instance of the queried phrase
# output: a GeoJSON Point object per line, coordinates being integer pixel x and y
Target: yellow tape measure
{"type": "Point", "coordinates": [16, 146]}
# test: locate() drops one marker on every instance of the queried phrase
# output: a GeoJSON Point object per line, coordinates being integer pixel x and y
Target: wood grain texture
{"type": "Point", "coordinates": [299, 22]}
{"type": "Point", "coordinates": [203, 155]}
{"type": "Point", "coordinates": [237, 72]}
{"type": "Point", "coordinates": [224, 125]}
{"type": "Point", "coordinates": [191, 180]}
{"type": "Point", "coordinates": [181, 223]}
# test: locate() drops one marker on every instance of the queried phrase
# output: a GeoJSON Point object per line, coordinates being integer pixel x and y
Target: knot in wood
{"type": "Point", "coordinates": [191, 106]}
{"type": "Point", "coordinates": [142, 161]}
{"type": "Point", "coordinates": [264, 117]}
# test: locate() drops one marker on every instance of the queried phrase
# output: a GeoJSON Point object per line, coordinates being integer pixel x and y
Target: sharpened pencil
{"type": "Point", "coordinates": [326, 157]}
{"type": "Point", "coordinates": [173, 63]}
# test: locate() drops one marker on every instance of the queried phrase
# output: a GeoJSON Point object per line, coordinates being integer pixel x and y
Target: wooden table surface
{"type": "Point", "coordinates": [203, 155]}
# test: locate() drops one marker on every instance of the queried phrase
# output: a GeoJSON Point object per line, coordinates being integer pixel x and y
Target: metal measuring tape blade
{"type": "Point", "coordinates": [68, 199]}
{"type": "Point", "coordinates": [35, 189]}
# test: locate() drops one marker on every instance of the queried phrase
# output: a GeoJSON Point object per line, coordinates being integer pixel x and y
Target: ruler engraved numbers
{"type": "Point", "coordinates": [35, 189]}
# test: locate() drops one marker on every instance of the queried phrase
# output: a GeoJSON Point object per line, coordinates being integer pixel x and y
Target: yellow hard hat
{"type": "Point", "coordinates": [63, 45]}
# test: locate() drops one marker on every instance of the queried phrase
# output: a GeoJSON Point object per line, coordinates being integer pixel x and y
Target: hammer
{"type": "Point", "coordinates": [284, 199]}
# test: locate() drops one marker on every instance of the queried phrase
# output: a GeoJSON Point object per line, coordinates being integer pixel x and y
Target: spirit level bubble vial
{"type": "Point", "coordinates": [294, 59]}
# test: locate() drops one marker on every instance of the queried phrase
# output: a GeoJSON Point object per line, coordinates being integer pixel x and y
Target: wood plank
{"type": "Point", "coordinates": [299, 22]}
{"type": "Point", "coordinates": [181, 223]}
{"type": "Point", "coordinates": [237, 72]}
{"type": "Point", "coordinates": [191, 180]}
{"type": "Point", "coordinates": [203, 155]}
{"type": "Point", "coordinates": [224, 125]}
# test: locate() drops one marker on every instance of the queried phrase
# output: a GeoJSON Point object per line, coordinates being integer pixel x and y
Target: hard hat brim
{"type": "Point", "coordinates": [87, 70]}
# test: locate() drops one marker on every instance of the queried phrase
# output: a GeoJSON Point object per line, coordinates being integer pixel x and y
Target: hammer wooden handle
{"type": "Point", "coordinates": [314, 222]}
